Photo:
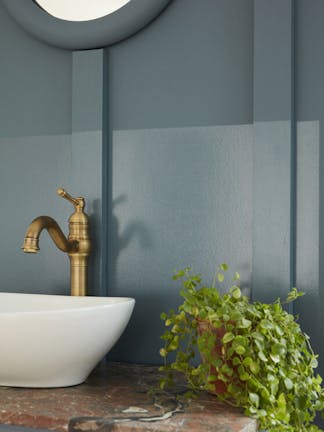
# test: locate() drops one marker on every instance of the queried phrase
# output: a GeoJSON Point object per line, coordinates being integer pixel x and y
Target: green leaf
{"type": "Point", "coordinates": [163, 352]}
{"type": "Point", "coordinates": [236, 276]}
{"type": "Point", "coordinates": [223, 266]}
{"type": "Point", "coordinates": [244, 376]}
{"type": "Point", "coordinates": [247, 361]}
{"type": "Point", "coordinates": [240, 340]}
{"type": "Point", "coordinates": [275, 358]}
{"type": "Point", "coordinates": [181, 273]}
{"type": "Point", "coordinates": [274, 385]}
{"type": "Point", "coordinates": [278, 349]}
{"type": "Point", "coordinates": [239, 349]}
{"type": "Point", "coordinates": [174, 344]}
{"type": "Point", "coordinates": [262, 356]}
{"type": "Point", "coordinates": [314, 363]}
{"type": "Point", "coordinates": [288, 383]}
{"type": "Point", "coordinates": [236, 361]}
{"type": "Point", "coordinates": [245, 323]}
{"type": "Point", "coordinates": [212, 378]}
{"type": "Point", "coordinates": [228, 337]}
{"type": "Point", "coordinates": [282, 412]}
{"type": "Point", "coordinates": [227, 370]}
{"type": "Point", "coordinates": [254, 398]}
{"type": "Point", "coordinates": [254, 367]}
{"type": "Point", "coordinates": [278, 330]}
{"type": "Point", "coordinates": [293, 295]}
{"type": "Point", "coordinates": [262, 413]}
{"type": "Point", "coordinates": [266, 324]}
{"type": "Point", "coordinates": [265, 393]}
{"type": "Point", "coordinates": [175, 329]}
{"type": "Point", "coordinates": [220, 277]}
{"type": "Point", "coordinates": [258, 336]}
{"type": "Point", "coordinates": [236, 293]}
{"type": "Point", "coordinates": [260, 345]}
{"type": "Point", "coordinates": [203, 314]}
{"type": "Point", "coordinates": [217, 362]}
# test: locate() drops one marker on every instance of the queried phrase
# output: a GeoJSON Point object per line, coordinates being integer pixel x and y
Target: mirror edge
{"type": "Point", "coordinates": [97, 33]}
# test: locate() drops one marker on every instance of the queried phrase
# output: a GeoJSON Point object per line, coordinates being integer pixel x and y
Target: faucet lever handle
{"type": "Point", "coordinates": [77, 202]}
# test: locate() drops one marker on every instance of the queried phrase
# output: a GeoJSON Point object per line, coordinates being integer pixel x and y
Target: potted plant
{"type": "Point", "coordinates": [253, 355]}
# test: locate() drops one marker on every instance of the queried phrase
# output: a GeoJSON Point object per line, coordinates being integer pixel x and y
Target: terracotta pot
{"type": "Point", "coordinates": [205, 326]}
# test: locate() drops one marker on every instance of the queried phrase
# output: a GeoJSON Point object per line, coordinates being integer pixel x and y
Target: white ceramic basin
{"type": "Point", "coordinates": [56, 341]}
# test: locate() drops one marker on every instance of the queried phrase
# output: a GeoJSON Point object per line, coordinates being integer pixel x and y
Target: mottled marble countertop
{"type": "Point", "coordinates": [116, 398]}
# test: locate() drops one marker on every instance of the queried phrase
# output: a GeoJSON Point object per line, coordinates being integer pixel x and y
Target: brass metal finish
{"type": "Point", "coordinates": [77, 245]}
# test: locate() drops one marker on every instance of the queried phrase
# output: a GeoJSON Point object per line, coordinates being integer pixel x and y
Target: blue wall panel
{"type": "Point", "coordinates": [181, 188]}
{"type": "Point", "coordinates": [273, 156]}
{"type": "Point", "coordinates": [31, 170]}
{"type": "Point", "coordinates": [180, 197]}
{"type": "Point", "coordinates": [193, 66]}
{"type": "Point", "coordinates": [310, 163]}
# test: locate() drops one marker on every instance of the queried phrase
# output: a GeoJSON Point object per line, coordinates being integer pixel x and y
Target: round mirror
{"type": "Point", "coordinates": [80, 10]}
{"type": "Point", "coordinates": [71, 24]}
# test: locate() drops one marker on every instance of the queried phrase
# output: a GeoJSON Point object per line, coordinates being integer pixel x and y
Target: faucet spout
{"type": "Point", "coordinates": [31, 240]}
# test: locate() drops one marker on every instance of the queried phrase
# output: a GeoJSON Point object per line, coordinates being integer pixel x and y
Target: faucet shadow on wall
{"type": "Point", "coordinates": [120, 240]}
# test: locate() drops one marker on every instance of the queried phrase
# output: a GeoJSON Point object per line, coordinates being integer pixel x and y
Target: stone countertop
{"type": "Point", "coordinates": [116, 398]}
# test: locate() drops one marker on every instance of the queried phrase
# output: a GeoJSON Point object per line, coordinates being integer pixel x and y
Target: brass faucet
{"type": "Point", "coordinates": [77, 245]}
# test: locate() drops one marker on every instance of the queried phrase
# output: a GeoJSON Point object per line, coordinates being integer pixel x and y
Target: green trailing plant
{"type": "Point", "coordinates": [254, 355]}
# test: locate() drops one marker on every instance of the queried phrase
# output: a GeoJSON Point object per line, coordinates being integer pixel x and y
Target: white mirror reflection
{"type": "Point", "coordinates": [80, 10]}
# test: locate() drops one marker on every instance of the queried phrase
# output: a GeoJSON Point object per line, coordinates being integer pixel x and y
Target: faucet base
{"type": "Point", "coordinates": [79, 274]}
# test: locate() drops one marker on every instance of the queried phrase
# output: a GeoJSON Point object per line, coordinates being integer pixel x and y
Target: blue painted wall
{"type": "Point", "coordinates": [35, 155]}
{"type": "Point", "coordinates": [189, 179]}
{"type": "Point", "coordinates": [35, 84]}
{"type": "Point", "coordinates": [180, 184]}
{"type": "Point", "coordinates": [186, 73]}
{"type": "Point", "coordinates": [180, 196]}
{"type": "Point", "coordinates": [47, 121]}
{"type": "Point", "coordinates": [310, 164]}
{"type": "Point", "coordinates": [193, 66]}
{"type": "Point", "coordinates": [273, 149]}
